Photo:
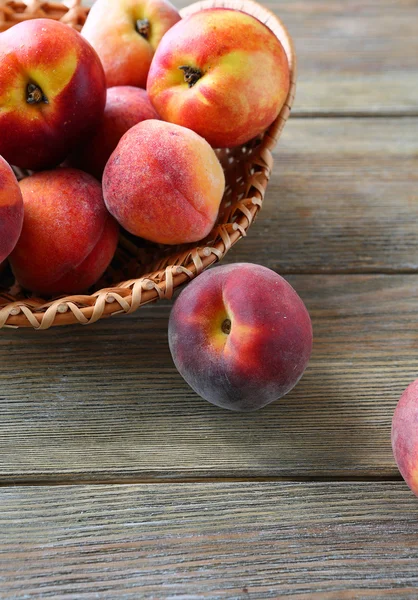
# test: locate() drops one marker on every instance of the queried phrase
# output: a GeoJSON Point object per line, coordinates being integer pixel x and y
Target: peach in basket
{"type": "Point", "coordinates": [222, 73]}
{"type": "Point", "coordinates": [143, 271]}
{"type": "Point", "coordinates": [11, 210]}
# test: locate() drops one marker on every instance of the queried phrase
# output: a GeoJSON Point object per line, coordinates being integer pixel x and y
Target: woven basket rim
{"type": "Point", "coordinates": [128, 296]}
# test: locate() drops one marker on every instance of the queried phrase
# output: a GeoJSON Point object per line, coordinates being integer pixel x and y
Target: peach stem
{"type": "Point", "coordinates": [143, 27]}
{"type": "Point", "coordinates": [226, 326]}
{"type": "Point", "coordinates": [191, 75]}
{"type": "Point", "coordinates": [34, 94]}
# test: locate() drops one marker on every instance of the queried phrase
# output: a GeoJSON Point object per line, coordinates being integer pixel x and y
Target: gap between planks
{"type": "Point", "coordinates": [353, 115]}
{"type": "Point", "coordinates": [166, 481]}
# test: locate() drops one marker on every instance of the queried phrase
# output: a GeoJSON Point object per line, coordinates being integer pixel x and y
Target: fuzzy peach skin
{"type": "Point", "coordinates": [164, 183]}
{"type": "Point", "coordinates": [125, 34]}
{"type": "Point", "coordinates": [11, 210]}
{"type": "Point", "coordinates": [405, 436]}
{"type": "Point", "coordinates": [52, 92]}
{"type": "Point", "coordinates": [125, 107]}
{"type": "Point", "coordinates": [68, 237]}
{"type": "Point", "coordinates": [221, 73]}
{"type": "Point", "coordinates": [240, 336]}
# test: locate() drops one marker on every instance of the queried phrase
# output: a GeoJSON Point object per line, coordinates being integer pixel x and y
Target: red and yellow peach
{"type": "Point", "coordinates": [240, 336]}
{"type": "Point", "coordinates": [11, 210]}
{"type": "Point", "coordinates": [125, 35]}
{"type": "Point", "coordinates": [125, 107]}
{"type": "Point", "coordinates": [164, 183]}
{"type": "Point", "coordinates": [68, 237]}
{"type": "Point", "coordinates": [222, 73]}
{"type": "Point", "coordinates": [52, 92]}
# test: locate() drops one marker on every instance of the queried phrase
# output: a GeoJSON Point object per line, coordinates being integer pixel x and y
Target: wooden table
{"type": "Point", "coordinates": [119, 482]}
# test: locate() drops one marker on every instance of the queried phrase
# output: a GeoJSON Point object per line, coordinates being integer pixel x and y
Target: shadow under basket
{"type": "Point", "coordinates": [142, 272]}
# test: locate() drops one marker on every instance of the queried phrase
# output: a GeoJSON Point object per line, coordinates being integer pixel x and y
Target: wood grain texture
{"type": "Point", "coordinates": [354, 57]}
{"type": "Point", "coordinates": [105, 402]}
{"type": "Point", "coordinates": [245, 541]}
{"type": "Point", "coordinates": [343, 197]}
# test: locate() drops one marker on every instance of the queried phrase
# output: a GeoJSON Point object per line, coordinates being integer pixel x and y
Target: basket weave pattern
{"type": "Point", "coordinates": [143, 272]}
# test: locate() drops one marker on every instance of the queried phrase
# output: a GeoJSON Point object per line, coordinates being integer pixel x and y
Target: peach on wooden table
{"type": "Point", "coordinates": [68, 237]}
{"type": "Point", "coordinates": [11, 210]}
{"type": "Point", "coordinates": [164, 183]}
{"type": "Point", "coordinates": [125, 107]}
{"type": "Point", "coordinates": [125, 34]}
{"type": "Point", "coordinates": [52, 92]}
{"type": "Point", "coordinates": [405, 436]}
{"type": "Point", "coordinates": [222, 73]}
{"type": "Point", "coordinates": [240, 336]}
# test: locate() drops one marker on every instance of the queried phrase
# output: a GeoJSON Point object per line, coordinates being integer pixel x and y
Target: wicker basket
{"type": "Point", "coordinates": [142, 272]}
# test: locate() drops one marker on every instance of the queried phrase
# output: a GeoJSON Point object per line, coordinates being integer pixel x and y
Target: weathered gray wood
{"type": "Point", "coordinates": [343, 197]}
{"type": "Point", "coordinates": [243, 541]}
{"type": "Point", "coordinates": [354, 57]}
{"type": "Point", "coordinates": [105, 402]}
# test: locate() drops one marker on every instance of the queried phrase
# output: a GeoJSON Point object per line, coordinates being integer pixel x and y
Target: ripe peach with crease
{"type": "Point", "coordinates": [240, 336]}
{"type": "Point", "coordinates": [164, 183]}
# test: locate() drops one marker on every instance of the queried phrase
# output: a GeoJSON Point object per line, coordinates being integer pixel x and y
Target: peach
{"type": "Point", "coordinates": [11, 210]}
{"type": "Point", "coordinates": [125, 34]}
{"type": "Point", "coordinates": [240, 336]}
{"type": "Point", "coordinates": [164, 183]}
{"type": "Point", "coordinates": [125, 107]}
{"type": "Point", "coordinates": [68, 237]}
{"type": "Point", "coordinates": [52, 92]}
{"type": "Point", "coordinates": [405, 436]}
{"type": "Point", "coordinates": [222, 73]}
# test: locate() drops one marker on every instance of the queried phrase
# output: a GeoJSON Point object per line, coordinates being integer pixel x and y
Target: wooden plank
{"type": "Point", "coordinates": [343, 197]}
{"type": "Point", "coordinates": [106, 403]}
{"type": "Point", "coordinates": [354, 57]}
{"type": "Point", "coordinates": [245, 541]}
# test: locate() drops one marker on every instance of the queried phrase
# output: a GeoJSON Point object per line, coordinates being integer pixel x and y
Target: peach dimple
{"type": "Point", "coordinates": [164, 183]}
